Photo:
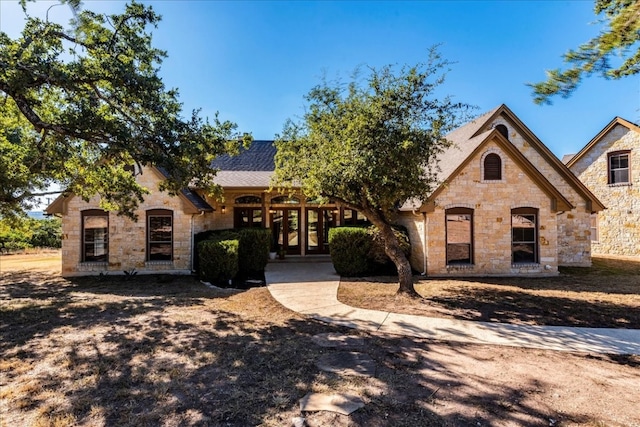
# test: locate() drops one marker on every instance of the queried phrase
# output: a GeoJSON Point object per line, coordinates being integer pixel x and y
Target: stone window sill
{"type": "Point", "coordinates": [460, 267]}
{"type": "Point", "coordinates": [620, 184]}
{"type": "Point", "coordinates": [156, 263]}
{"type": "Point", "coordinates": [528, 265]}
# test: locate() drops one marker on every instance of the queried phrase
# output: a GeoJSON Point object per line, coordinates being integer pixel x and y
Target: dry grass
{"type": "Point", "coordinates": [167, 351]}
{"type": "Point", "coordinates": [605, 295]}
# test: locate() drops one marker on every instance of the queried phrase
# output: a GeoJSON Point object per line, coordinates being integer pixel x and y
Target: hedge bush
{"type": "Point", "coordinates": [254, 250]}
{"type": "Point", "coordinates": [357, 251]}
{"type": "Point", "coordinates": [218, 260]}
{"type": "Point", "coordinates": [349, 248]}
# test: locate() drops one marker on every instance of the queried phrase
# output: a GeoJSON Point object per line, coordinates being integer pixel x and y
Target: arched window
{"type": "Point", "coordinates": [459, 229]}
{"type": "Point", "coordinates": [159, 235]}
{"type": "Point", "coordinates": [503, 131]}
{"type": "Point", "coordinates": [524, 235]}
{"type": "Point", "coordinates": [95, 236]}
{"type": "Point", "coordinates": [492, 167]}
{"type": "Point", "coordinates": [248, 200]}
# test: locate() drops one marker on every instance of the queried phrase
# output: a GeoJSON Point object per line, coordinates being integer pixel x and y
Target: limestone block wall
{"type": "Point", "coordinates": [574, 246]}
{"type": "Point", "coordinates": [492, 203]}
{"type": "Point", "coordinates": [619, 224]}
{"type": "Point", "coordinates": [127, 238]}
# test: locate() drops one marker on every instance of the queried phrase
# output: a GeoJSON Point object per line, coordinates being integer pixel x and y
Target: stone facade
{"type": "Point", "coordinates": [491, 203]}
{"type": "Point", "coordinates": [127, 239]}
{"type": "Point", "coordinates": [574, 234]}
{"type": "Point", "coordinates": [618, 226]}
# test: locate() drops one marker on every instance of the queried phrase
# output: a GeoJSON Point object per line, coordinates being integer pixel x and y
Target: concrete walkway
{"type": "Point", "coordinates": [311, 289]}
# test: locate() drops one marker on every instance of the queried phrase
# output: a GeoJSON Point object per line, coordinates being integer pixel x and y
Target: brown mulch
{"type": "Point", "coordinates": [607, 295]}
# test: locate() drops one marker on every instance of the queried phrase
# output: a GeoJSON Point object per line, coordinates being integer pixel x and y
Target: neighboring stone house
{"type": "Point", "coordinates": [609, 165]}
{"type": "Point", "coordinates": [506, 206]}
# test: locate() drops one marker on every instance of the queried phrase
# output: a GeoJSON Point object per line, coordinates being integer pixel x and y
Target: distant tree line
{"type": "Point", "coordinates": [24, 233]}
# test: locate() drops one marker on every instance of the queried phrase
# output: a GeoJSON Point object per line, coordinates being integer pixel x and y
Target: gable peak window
{"type": "Point", "coordinates": [503, 131]}
{"type": "Point", "coordinates": [492, 167]}
{"type": "Point", "coordinates": [618, 167]}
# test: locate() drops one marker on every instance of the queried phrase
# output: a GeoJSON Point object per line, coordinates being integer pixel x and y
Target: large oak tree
{"type": "Point", "coordinates": [79, 104]}
{"type": "Point", "coordinates": [371, 145]}
{"type": "Point", "coordinates": [613, 54]}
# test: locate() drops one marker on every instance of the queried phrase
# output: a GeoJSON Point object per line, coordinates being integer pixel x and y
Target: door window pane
{"type": "Point", "coordinates": [312, 230]}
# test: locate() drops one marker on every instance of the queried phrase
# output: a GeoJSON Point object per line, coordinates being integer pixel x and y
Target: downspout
{"type": "Point", "coordinates": [425, 246]}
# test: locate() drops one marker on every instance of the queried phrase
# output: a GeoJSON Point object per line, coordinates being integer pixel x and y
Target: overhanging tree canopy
{"type": "Point", "coordinates": [372, 144]}
{"type": "Point", "coordinates": [80, 104]}
{"type": "Point", "coordinates": [621, 39]}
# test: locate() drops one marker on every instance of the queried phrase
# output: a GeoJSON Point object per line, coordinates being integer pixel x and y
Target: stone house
{"type": "Point", "coordinates": [505, 206]}
{"type": "Point", "coordinates": [609, 165]}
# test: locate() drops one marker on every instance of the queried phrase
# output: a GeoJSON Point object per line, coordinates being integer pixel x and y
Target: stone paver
{"type": "Point", "coordinates": [311, 289]}
{"type": "Point", "coordinates": [340, 403]}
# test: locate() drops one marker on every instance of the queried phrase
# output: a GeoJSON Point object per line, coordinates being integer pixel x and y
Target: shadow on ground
{"type": "Point", "coordinates": [169, 351]}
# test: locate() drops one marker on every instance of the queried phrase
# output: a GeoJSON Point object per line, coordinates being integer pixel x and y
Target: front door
{"type": "Point", "coordinates": [319, 222]}
{"type": "Point", "coordinates": [285, 226]}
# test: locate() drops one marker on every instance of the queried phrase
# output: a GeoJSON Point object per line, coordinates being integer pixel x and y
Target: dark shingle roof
{"type": "Point", "coordinates": [258, 157]}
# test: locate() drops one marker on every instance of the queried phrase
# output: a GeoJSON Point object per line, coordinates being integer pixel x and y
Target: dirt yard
{"type": "Point", "coordinates": [168, 351]}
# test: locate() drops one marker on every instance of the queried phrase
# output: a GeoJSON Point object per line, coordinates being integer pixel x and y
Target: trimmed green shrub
{"type": "Point", "coordinates": [357, 251]}
{"type": "Point", "coordinates": [349, 247]}
{"type": "Point", "coordinates": [254, 250]}
{"type": "Point", "coordinates": [218, 260]}
{"type": "Point", "coordinates": [228, 234]}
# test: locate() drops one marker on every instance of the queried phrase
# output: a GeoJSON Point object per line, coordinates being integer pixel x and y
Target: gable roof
{"type": "Point", "coordinates": [469, 138]}
{"type": "Point", "coordinates": [251, 168]}
{"type": "Point", "coordinates": [258, 157]}
{"type": "Point", "coordinates": [193, 202]}
{"type": "Point", "coordinates": [457, 159]}
{"type": "Point", "coordinates": [616, 121]}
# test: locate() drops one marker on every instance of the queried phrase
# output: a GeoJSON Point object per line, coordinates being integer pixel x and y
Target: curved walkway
{"type": "Point", "coordinates": [311, 289]}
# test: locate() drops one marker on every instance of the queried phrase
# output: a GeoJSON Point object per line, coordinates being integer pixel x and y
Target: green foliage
{"type": "Point", "coordinates": [349, 247]}
{"type": "Point", "coordinates": [372, 144]}
{"type": "Point", "coordinates": [357, 251]}
{"type": "Point", "coordinates": [379, 260]}
{"type": "Point", "coordinates": [618, 42]}
{"type": "Point", "coordinates": [254, 249]}
{"type": "Point", "coordinates": [22, 233]}
{"type": "Point", "coordinates": [81, 103]}
{"type": "Point", "coordinates": [218, 260]}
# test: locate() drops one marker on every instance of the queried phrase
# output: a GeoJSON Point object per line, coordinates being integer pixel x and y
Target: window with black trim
{"type": "Point", "coordinates": [524, 242]}
{"type": "Point", "coordinates": [95, 236]}
{"type": "Point", "coordinates": [618, 167]}
{"type": "Point", "coordinates": [459, 229]}
{"type": "Point", "coordinates": [492, 167]}
{"type": "Point", "coordinates": [159, 235]}
{"type": "Point", "coordinates": [247, 217]}
{"type": "Point", "coordinates": [351, 217]}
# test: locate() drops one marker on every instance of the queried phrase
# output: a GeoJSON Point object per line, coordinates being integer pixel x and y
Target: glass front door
{"type": "Point", "coordinates": [285, 227]}
{"type": "Point", "coordinates": [319, 222]}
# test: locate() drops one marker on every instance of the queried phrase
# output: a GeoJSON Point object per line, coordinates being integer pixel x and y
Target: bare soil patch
{"type": "Point", "coordinates": [604, 295]}
{"type": "Point", "coordinates": [168, 351]}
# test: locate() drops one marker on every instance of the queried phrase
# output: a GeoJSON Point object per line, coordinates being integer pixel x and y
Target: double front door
{"type": "Point", "coordinates": [286, 229]}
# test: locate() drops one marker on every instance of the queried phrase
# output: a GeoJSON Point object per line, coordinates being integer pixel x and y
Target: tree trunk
{"type": "Point", "coordinates": [394, 252]}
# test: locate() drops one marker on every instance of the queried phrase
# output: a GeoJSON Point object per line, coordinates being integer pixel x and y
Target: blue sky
{"type": "Point", "coordinates": [253, 61]}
